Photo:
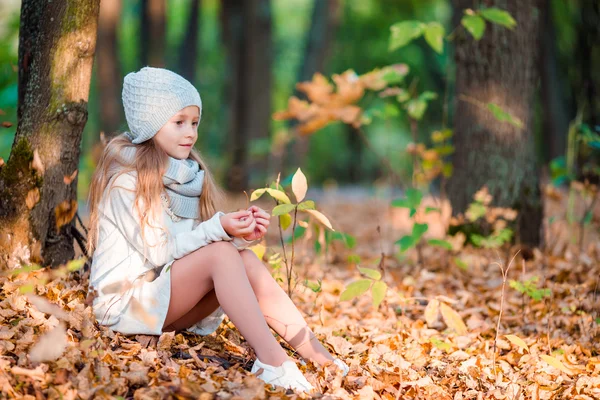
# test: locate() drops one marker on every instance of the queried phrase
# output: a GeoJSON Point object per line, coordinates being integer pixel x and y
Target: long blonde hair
{"type": "Point", "coordinates": [150, 164]}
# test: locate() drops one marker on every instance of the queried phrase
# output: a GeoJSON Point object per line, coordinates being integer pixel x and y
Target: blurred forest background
{"type": "Point", "coordinates": [245, 61]}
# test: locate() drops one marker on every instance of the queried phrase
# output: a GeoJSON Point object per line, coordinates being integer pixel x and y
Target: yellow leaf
{"type": "Point", "coordinates": [556, 363]}
{"type": "Point", "coordinates": [259, 250]}
{"type": "Point", "coordinates": [321, 218]}
{"type": "Point", "coordinates": [432, 312]}
{"type": "Point", "coordinates": [299, 185]}
{"type": "Point", "coordinates": [452, 319]}
{"type": "Point", "coordinates": [257, 193]}
{"type": "Point", "coordinates": [279, 195]}
{"type": "Point", "coordinates": [517, 341]}
{"type": "Point", "coordinates": [64, 213]}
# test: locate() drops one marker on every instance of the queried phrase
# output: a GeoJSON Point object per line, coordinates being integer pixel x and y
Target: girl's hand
{"type": "Point", "coordinates": [262, 223]}
{"type": "Point", "coordinates": [239, 223]}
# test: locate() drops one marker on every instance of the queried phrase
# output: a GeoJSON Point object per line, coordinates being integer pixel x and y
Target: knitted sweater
{"type": "Point", "coordinates": [133, 291]}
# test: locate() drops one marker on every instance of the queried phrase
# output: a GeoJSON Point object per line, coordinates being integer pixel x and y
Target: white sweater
{"type": "Point", "coordinates": [133, 292]}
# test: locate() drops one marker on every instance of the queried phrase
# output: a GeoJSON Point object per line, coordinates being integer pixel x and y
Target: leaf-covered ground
{"type": "Point", "coordinates": [414, 346]}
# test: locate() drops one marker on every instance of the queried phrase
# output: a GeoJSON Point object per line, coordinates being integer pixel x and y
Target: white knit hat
{"type": "Point", "coordinates": [151, 97]}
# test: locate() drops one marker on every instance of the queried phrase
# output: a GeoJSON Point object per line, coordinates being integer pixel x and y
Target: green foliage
{"type": "Point", "coordinates": [494, 240]}
{"type": "Point", "coordinates": [530, 288]}
{"type": "Point", "coordinates": [373, 282]}
{"type": "Point", "coordinates": [412, 201]}
{"type": "Point", "coordinates": [504, 116]}
{"type": "Point", "coordinates": [474, 21]}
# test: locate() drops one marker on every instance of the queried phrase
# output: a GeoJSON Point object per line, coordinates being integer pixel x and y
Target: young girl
{"type": "Point", "coordinates": [163, 258]}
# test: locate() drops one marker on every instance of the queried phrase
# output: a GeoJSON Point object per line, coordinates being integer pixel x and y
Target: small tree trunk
{"type": "Point", "coordinates": [57, 41]}
{"type": "Point", "coordinates": [247, 32]}
{"type": "Point", "coordinates": [108, 68]}
{"type": "Point", "coordinates": [188, 52]}
{"type": "Point", "coordinates": [500, 69]}
{"type": "Point", "coordinates": [324, 22]}
{"type": "Point", "coordinates": [153, 28]}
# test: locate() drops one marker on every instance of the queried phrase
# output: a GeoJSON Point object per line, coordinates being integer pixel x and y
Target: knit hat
{"type": "Point", "coordinates": [151, 97]}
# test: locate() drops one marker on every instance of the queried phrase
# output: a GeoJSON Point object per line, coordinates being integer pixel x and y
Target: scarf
{"type": "Point", "coordinates": [183, 181]}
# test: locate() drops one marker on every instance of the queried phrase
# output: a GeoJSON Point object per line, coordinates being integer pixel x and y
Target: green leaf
{"type": "Point", "coordinates": [434, 35]}
{"type": "Point", "coordinates": [461, 264]}
{"type": "Point", "coordinates": [475, 211]}
{"type": "Point", "coordinates": [26, 288]}
{"type": "Point", "coordinates": [587, 219]}
{"type": "Point", "coordinates": [392, 76]}
{"type": "Point", "coordinates": [257, 193]}
{"type": "Point", "coordinates": [282, 209]}
{"type": "Point", "coordinates": [413, 211]}
{"type": "Point", "coordinates": [371, 273]}
{"type": "Point", "coordinates": [75, 265]}
{"type": "Point", "coordinates": [314, 286]}
{"type": "Point", "coordinates": [355, 289]}
{"type": "Point", "coordinates": [414, 196]}
{"type": "Point", "coordinates": [498, 16]}
{"type": "Point", "coordinates": [390, 110]}
{"type": "Point", "coordinates": [474, 24]}
{"type": "Point", "coordinates": [416, 108]}
{"type": "Point", "coordinates": [418, 231]}
{"type": "Point", "coordinates": [348, 240]}
{"type": "Point", "coordinates": [285, 220]}
{"type": "Point", "coordinates": [504, 116]}
{"type": "Point", "coordinates": [279, 195]}
{"type": "Point", "coordinates": [378, 292]}
{"type": "Point", "coordinates": [404, 32]}
{"type": "Point", "coordinates": [403, 96]}
{"type": "Point", "coordinates": [354, 259]}
{"type": "Point", "coordinates": [440, 344]}
{"type": "Point", "coordinates": [306, 205]}
{"type": "Point", "coordinates": [432, 209]}
{"type": "Point", "coordinates": [445, 150]}
{"type": "Point", "coordinates": [406, 242]}
{"type": "Point", "coordinates": [440, 243]}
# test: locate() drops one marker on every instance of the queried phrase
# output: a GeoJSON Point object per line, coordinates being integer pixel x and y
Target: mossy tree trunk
{"type": "Point", "coordinates": [57, 41]}
{"type": "Point", "coordinates": [500, 68]}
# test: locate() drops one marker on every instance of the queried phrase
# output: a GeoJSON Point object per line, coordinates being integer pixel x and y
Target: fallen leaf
{"type": "Point", "coordinates": [65, 212]}
{"type": "Point", "coordinates": [555, 363]}
{"type": "Point", "coordinates": [50, 346]}
{"type": "Point", "coordinates": [452, 319]}
{"type": "Point", "coordinates": [432, 312]}
{"type": "Point", "coordinates": [517, 341]}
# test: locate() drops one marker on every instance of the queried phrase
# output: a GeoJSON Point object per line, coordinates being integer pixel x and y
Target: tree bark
{"type": "Point", "coordinates": [188, 52]}
{"type": "Point", "coordinates": [500, 69]}
{"type": "Point", "coordinates": [247, 34]}
{"type": "Point", "coordinates": [57, 41]}
{"type": "Point", "coordinates": [153, 29]}
{"type": "Point", "coordinates": [108, 67]}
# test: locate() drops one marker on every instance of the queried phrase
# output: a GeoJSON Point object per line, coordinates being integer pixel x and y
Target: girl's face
{"type": "Point", "coordinates": [178, 135]}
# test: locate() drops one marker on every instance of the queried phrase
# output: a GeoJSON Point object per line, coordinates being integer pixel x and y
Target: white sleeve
{"type": "Point", "coordinates": [241, 243]}
{"type": "Point", "coordinates": [161, 247]}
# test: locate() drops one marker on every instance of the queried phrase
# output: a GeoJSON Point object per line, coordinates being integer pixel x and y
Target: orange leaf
{"type": "Point", "coordinates": [69, 179]}
{"type": "Point", "coordinates": [37, 164]}
{"type": "Point", "coordinates": [33, 197]}
{"type": "Point", "coordinates": [64, 213]}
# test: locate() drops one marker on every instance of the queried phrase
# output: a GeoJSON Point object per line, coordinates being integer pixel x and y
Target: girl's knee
{"type": "Point", "coordinates": [251, 261]}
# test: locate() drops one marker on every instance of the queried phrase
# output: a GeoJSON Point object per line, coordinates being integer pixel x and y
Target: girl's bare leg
{"type": "Point", "coordinates": [281, 313]}
{"type": "Point", "coordinates": [219, 266]}
{"type": "Point", "coordinates": [201, 310]}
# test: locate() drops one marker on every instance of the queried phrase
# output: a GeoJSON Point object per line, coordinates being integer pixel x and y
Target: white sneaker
{"type": "Point", "coordinates": [287, 375]}
{"type": "Point", "coordinates": [342, 365]}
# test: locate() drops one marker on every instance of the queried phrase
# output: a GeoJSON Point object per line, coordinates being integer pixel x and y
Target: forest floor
{"type": "Point", "coordinates": [432, 336]}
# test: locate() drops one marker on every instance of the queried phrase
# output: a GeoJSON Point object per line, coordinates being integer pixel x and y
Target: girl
{"type": "Point", "coordinates": [163, 258]}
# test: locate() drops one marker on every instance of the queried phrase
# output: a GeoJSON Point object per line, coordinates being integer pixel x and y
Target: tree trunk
{"type": "Point", "coordinates": [188, 52]}
{"type": "Point", "coordinates": [153, 28]}
{"type": "Point", "coordinates": [108, 67]}
{"type": "Point", "coordinates": [324, 22]}
{"type": "Point", "coordinates": [57, 41]}
{"type": "Point", "coordinates": [555, 120]}
{"type": "Point", "coordinates": [500, 69]}
{"type": "Point", "coordinates": [247, 36]}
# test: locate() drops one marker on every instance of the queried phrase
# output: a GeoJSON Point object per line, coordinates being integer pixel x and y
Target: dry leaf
{"type": "Point", "coordinates": [65, 212]}
{"type": "Point", "coordinates": [69, 179]}
{"type": "Point", "coordinates": [37, 164]}
{"type": "Point", "coordinates": [517, 341]}
{"type": "Point", "coordinates": [432, 312]}
{"type": "Point", "coordinates": [33, 197]}
{"type": "Point", "coordinates": [556, 363]}
{"type": "Point", "coordinates": [45, 306]}
{"type": "Point", "coordinates": [1, 162]}
{"type": "Point", "coordinates": [50, 346]}
{"type": "Point", "coordinates": [7, 124]}
{"type": "Point", "coordinates": [452, 319]}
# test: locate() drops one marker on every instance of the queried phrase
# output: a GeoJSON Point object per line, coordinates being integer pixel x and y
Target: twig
{"type": "Point", "coordinates": [504, 276]}
{"type": "Point", "coordinates": [292, 262]}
